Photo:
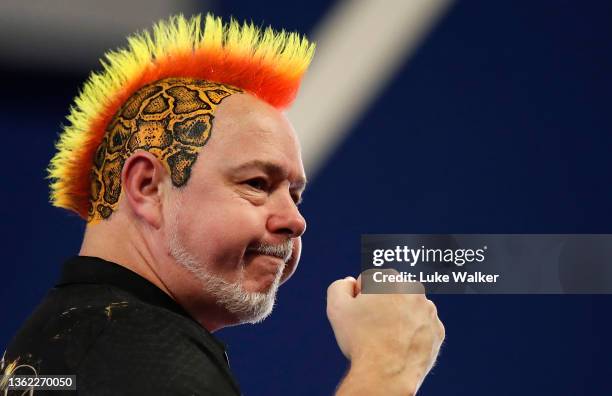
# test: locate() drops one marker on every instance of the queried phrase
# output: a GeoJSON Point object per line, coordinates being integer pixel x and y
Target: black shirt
{"type": "Point", "coordinates": [120, 335]}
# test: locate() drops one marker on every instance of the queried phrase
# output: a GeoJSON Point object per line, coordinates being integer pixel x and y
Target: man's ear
{"type": "Point", "coordinates": [142, 177]}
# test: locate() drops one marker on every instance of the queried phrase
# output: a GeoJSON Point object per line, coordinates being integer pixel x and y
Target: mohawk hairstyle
{"type": "Point", "coordinates": [265, 63]}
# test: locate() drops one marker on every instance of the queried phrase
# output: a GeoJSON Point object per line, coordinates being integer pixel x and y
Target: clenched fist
{"type": "Point", "coordinates": [391, 340]}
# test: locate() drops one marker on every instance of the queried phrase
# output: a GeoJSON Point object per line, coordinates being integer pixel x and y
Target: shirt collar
{"type": "Point", "coordinates": [94, 270]}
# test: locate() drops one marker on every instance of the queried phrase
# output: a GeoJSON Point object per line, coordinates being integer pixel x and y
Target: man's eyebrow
{"type": "Point", "coordinates": [271, 168]}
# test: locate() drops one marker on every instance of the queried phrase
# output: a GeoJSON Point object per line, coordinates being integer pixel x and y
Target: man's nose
{"type": "Point", "coordinates": [286, 218]}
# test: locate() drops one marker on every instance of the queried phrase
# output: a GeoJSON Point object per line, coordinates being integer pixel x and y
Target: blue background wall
{"type": "Point", "coordinates": [498, 124]}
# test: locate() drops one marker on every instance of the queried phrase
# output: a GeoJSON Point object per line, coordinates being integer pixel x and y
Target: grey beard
{"type": "Point", "coordinates": [283, 251]}
{"type": "Point", "coordinates": [248, 307]}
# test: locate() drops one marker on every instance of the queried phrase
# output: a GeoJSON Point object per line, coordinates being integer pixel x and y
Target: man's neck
{"type": "Point", "coordinates": [120, 242]}
{"type": "Point", "coordinates": [123, 245]}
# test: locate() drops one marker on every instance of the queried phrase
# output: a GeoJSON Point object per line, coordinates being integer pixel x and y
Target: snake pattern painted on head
{"type": "Point", "coordinates": [171, 118]}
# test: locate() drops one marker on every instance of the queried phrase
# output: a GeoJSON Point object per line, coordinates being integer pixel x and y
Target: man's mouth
{"type": "Point", "coordinates": [282, 251]}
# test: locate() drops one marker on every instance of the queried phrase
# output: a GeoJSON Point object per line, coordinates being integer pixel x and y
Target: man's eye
{"type": "Point", "coordinates": [297, 199]}
{"type": "Point", "coordinates": [258, 183]}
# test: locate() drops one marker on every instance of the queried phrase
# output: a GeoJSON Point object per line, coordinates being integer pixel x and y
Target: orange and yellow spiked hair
{"type": "Point", "coordinates": [265, 63]}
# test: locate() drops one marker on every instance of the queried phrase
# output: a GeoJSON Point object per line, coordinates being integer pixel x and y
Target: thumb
{"type": "Point", "coordinates": [342, 289]}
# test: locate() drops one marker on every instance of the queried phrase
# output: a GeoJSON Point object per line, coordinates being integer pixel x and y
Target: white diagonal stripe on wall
{"type": "Point", "coordinates": [360, 46]}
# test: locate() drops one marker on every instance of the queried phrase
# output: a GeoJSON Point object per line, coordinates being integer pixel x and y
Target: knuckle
{"type": "Point", "coordinates": [332, 286]}
{"type": "Point", "coordinates": [332, 309]}
{"type": "Point", "coordinates": [441, 330]}
{"type": "Point", "coordinates": [417, 288]}
{"type": "Point", "coordinates": [431, 306]}
{"type": "Point", "coordinates": [419, 300]}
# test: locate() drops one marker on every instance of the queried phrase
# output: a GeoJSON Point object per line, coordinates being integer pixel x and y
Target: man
{"type": "Point", "coordinates": [189, 176]}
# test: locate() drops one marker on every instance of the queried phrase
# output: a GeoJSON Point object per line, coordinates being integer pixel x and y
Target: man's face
{"type": "Point", "coordinates": [237, 215]}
